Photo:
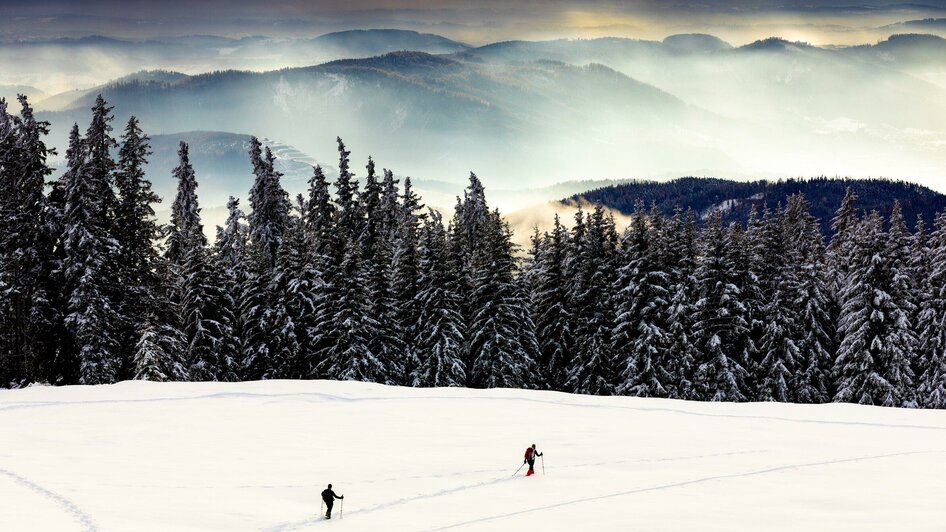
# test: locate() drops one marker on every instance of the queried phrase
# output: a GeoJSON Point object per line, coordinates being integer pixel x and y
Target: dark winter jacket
{"type": "Point", "coordinates": [329, 495]}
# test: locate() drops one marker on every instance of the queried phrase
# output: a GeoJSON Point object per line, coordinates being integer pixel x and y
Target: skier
{"type": "Point", "coordinates": [329, 497]}
{"type": "Point", "coordinates": [531, 453]}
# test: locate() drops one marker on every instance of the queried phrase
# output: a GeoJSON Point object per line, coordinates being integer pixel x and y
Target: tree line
{"type": "Point", "coordinates": [366, 284]}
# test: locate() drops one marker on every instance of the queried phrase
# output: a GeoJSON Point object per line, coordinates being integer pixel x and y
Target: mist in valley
{"type": "Point", "coordinates": [745, 102]}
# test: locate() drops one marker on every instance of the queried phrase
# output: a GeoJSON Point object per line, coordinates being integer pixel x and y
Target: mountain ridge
{"type": "Point", "coordinates": [736, 198]}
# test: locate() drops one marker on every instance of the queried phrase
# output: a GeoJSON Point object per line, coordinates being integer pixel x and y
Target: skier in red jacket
{"type": "Point", "coordinates": [531, 453]}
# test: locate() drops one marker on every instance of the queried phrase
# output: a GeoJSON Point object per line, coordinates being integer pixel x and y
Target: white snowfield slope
{"type": "Point", "coordinates": [255, 456]}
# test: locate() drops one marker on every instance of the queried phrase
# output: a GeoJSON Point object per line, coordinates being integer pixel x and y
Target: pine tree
{"type": "Point", "coordinates": [438, 338]}
{"type": "Point", "coordinates": [158, 355]}
{"type": "Point", "coordinates": [376, 255]}
{"type": "Point", "coordinates": [404, 223]}
{"type": "Point", "coordinates": [201, 298]}
{"type": "Point", "coordinates": [351, 327]}
{"type": "Point", "coordinates": [640, 292]}
{"type": "Point", "coordinates": [296, 286]}
{"type": "Point", "coordinates": [27, 315]}
{"type": "Point", "coordinates": [839, 257]}
{"type": "Point", "coordinates": [464, 234]}
{"type": "Point", "coordinates": [549, 307]}
{"type": "Point", "coordinates": [318, 218]}
{"type": "Point", "coordinates": [136, 232]}
{"type": "Point", "coordinates": [872, 366]}
{"type": "Point", "coordinates": [679, 254]}
{"type": "Point", "coordinates": [186, 231]}
{"type": "Point", "coordinates": [230, 261]}
{"type": "Point", "coordinates": [90, 254]}
{"type": "Point", "coordinates": [931, 326]}
{"type": "Point", "coordinates": [348, 218]}
{"type": "Point", "coordinates": [721, 330]}
{"type": "Point", "coordinates": [503, 339]}
{"type": "Point", "coordinates": [591, 274]}
{"type": "Point", "coordinates": [779, 342]}
{"type": "Point", "coordinates": [269, 218]}
{"type": "Point", "coordinates": [325, 250]}
{"type": "Point", "coordinates": [902, 291]}
{"type": "Point", "coordinates": [808, 295]}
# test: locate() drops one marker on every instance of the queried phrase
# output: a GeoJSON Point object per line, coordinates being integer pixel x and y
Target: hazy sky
{"type": "Point", "coordinates": [738, 21]}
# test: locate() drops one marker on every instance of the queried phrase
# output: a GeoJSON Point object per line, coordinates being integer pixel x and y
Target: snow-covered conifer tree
{"type": "Point", "coordinates": [438, 338]}
{"type": "Point", "coordinates": [931, 327]}
{"type": "Point", "coordinates": [872, 365]}
{"type": "Point", "coordinates": [27, 313]}
{"type": "Point", "coordinates": [640, 293]}
{"type": "Point", "coordinates": [503, 342]}
{"type": "Point", "coordinates": [721, 330]}
{"type": "Point", "coordinates": [90, 262]}
{"type": "Point", "coordinates": [549, 304]}
{"type": "Point", "coordinates": [592, 369]}
{"type": "Point", "coordinates": [808, 297]}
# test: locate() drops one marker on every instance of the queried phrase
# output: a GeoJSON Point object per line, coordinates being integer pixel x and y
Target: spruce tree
{"type": "Point", "coordinates": [809, 297]}
{"type": "Point", "coordinates": [872, 366]}
{"type": "Point", "coordinates": [549, 304]}
{"type": "Point", "coordinates": [640, 299]}
{"type": "Point", "coordinates": [438, 339]}
{"type": "Point", "coordinates": [136, 231]}
{"type": "Point", "coordinates": [351, 328]}
{"type": "Point", "coordinates": [230, 261]}
{"type": "Point", "coordinates": [27, 317]}
{"type": "Point", "coordinates": [503, 339]}
{"type": "Point", "coordinates": [592, 369]}
{"type": "Point", "coordinates": [931, 326]}
{"type": "Point", "coordinates": [721, 329]}
{"type": "Point", "coordinates": [186, 230]}
{"type": "Point", "coordinates": [202, 299]}
{"type": "Point", "coordinates": [464, 234]}
{"type": "Point", "coordinates": [404, 221]}
{"type": "Point", "coordinates": [376, 255]}
{"type": "Point", "coordinates": [296, 286]}
{"type": "Point", "coordinates": [325, 258]}
{"type": "Point", "coordinates": [90, 260]}
{"type": "Point", "coordinates": [158, 353]}
{"type": "Point", "coordinates": [779, 343]}
{"type": "Point", "coordinates": [679, 252]}
{"type": "Point", "coordinates": [269, 217]}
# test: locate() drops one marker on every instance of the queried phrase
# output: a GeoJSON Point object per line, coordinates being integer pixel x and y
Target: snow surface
{"type": "Point", "coordinates": [255, 456]}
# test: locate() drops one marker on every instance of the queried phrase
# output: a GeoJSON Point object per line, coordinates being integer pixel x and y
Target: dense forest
{"type": "Point", "coordinates": [365, 284]}
{"type": "Point", "coordinates": [736, 199]}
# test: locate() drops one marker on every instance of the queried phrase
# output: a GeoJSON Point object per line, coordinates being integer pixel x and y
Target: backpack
{"type": "Point", "coordinates": [529, 452]}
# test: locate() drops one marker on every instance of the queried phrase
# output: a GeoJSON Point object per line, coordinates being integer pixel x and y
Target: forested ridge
{"type": "Point", "coordinates": [366, 284]}
{"type": "Point", "coordinates": [736, 199]}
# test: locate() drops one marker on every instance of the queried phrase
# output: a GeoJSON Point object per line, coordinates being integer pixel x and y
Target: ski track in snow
{"type": "Point", "coordinates": [87, 523]}
{"type": "Point", "coordinates": [331, 397]}
{"type": "Point", "coordinates": [702, 480]}
{"type": "Point", "coordinates": [435, 476]}
{"type": "Point", "coordinates": [308, 522]}
{"type": "Point", "coordinates": [316, 520]}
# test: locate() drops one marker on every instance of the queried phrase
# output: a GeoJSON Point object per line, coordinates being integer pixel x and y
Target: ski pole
{"type": "Point", "coordinates": [520, 469]}
{"type": "Point", "coordinates": [341, 509]}
{"type": "Point", "coordinates": [543, 463]}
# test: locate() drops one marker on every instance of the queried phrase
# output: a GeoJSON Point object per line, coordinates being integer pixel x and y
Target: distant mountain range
{"type": "Point", "coordinates": [530, 114]}
{"type": "Point", "coordinates": [87, 61]}
{"type": "Point", "coordinates": [431, 116]}
{"type": "Point", "coordinates": [10, 93]}
{"type": "Point", "coordinates": [736, 199]}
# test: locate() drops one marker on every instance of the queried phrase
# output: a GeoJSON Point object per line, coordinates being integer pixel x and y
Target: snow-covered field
{"type": "Point", "coordinates": [254, 456]}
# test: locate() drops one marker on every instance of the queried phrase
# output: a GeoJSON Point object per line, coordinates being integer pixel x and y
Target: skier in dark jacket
{"type": "Point", "coordinates": [329, 497]}
{"type": "Point", "coordinates": [531, 453]}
